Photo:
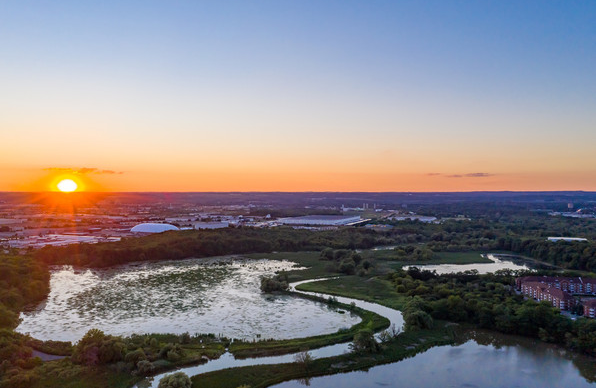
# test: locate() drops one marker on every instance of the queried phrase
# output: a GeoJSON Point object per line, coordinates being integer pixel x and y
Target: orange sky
{"type": "Point", "coordinates": [298, 181]}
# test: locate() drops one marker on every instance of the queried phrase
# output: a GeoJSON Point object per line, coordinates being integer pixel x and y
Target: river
{"type": "Point", "coordinates": [480, 359]}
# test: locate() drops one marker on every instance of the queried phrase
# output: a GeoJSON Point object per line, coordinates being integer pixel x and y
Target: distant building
{"type": "Point", "coordinates": [211, 225]}
{"type": "Point", "coordinates": [320, 220]}
{"type": "Point", "coordinates": [567, 239]}
{"type": "Point", "coordinates": [152, 228]}
{"type": "Point", "coordinates": [415, 217]}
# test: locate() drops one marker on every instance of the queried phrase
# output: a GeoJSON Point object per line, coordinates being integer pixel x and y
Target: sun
{"type": "Point", "coordinates": [67, 185]}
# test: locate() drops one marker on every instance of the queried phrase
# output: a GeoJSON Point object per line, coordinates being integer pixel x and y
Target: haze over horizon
{"type": "Point", "coordinates": [298, 96]}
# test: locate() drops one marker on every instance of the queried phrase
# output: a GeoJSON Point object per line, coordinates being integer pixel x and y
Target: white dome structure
{"type": "Point", "coordinates": [152, 228]}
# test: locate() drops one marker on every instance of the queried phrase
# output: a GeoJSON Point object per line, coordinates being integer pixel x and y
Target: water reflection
{"type": "Point", "coordinates": [196, 296]}
{"type": "Point", "coordinates": [498, 262]}
{"type": "Point", "coordinates": [227, 360]}
{"type": "Point", "coordinates": [479, 359]}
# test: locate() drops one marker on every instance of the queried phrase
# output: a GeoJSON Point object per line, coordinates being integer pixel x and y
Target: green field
{"type": "Point", "coordinates": [369, 289]}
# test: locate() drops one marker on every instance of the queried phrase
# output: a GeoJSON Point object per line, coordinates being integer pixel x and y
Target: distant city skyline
{"type": "Point", "coordinates": [298, 96]}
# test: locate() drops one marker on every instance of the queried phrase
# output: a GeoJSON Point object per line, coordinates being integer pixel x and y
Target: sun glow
{"type": "Point", "coordinates": [67, 185]}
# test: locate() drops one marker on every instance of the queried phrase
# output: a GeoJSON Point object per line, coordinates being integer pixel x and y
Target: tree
{"type": "Point", "coordinates": [175, 380]}
{"type": "Point", "coordinates": [364, 342]}
{"type": "Point", "coordinates": [304, 359]}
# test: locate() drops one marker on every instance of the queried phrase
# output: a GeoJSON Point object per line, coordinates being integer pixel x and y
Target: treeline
{"type": "Point", "coordinates": [23, 281]}
{"type": "Point", "coordinates": [206, 243]}
{"type": "Point", "coordinates": [571, 255]}
{"type": "Point", "coordinates": [489, 301]}
{"type": "Point", "coordinates": [523, 234]}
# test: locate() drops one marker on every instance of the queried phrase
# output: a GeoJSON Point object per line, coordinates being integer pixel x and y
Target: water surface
{"type": "Point", "coordinates": [194, 295]}
{"type": "Point", "coordinates": [482, 360]}
{"type": "Point", "coordinates": [498, 262]}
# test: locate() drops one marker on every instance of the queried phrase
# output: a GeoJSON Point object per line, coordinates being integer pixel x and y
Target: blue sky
{"type": "Point", "coordinates": [401, 88]}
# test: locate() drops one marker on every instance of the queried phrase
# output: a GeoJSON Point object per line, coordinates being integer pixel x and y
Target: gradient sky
{"type": "Point", "coordinates": [298, 95]}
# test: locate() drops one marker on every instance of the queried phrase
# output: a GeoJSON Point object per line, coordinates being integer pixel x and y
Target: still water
{"type": "Point", "coordinates": [194, 295]}
{"type": "Point", "coordinates": [227, 360]}
{"type": "Point", "coordinates": [498, 262]}
{"type": "Point", "coordinates": [481, 359]}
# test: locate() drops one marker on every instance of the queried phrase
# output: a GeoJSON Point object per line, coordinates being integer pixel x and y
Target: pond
{"type": "Point", "coordinates": [481, 359]}
{"type": "Point", "coordinates": [219, 296]}
{"type": "Point", "coordinates": [498, 262]}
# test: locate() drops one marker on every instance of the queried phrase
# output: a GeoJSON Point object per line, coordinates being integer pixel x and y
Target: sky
{"type": "Point", "coordinates": [298, 95]}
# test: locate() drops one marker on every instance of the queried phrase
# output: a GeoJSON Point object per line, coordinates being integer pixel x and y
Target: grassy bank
{"type": "Point", "coordinates": [404, 346]}
{"type": "Point", "coordinates": [369, 289]}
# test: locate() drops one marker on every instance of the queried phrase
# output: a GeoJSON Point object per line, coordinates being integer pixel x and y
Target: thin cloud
{"type": "Point", "coordinates": [472, 175]}
{"type": "Point", "coordinates": [469, 175]}
{"type": "Point", "coordinates": [479, 175]}
{"type": "Point", "coordinates": [82, 170]}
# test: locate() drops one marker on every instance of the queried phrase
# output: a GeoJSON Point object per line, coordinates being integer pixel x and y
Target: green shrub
{"type": "Point", "coordinates": [175, 380]}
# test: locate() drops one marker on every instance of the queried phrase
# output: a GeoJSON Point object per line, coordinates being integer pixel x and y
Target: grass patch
{"type": "Point", "coordinates": [369, 289]}
{"type": "Point", "coordinates": [64, 374]}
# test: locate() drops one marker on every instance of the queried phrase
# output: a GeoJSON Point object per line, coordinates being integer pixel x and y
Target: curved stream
{"type": "Point", "coordinates": [227, 360]}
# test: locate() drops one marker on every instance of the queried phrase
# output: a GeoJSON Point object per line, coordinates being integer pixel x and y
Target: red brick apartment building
{"type": "Point", "coordinates": [590, 308]}
{"type": "Point", "coordinates": [559, 291]}
{"type": "Point", "coordinates": [575, 285]}
{"type": "Point", "coordinates": [542, 291]}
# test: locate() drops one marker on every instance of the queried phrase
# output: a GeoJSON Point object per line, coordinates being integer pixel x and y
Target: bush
{"type": "Point", "coordinates": [185, 338]}
{"type": "Point", "coordinates": [135, 356]}
{"type": "Point", "coordinates": [418, 319]}
{"type": "Point", "coordinates": [176, 380]}
{"type": "Point", "coordinates": [347, 266]}
{"type": "Point", "coordinates": [364, 342]}
{"type": "Point", "coordinates": [271, 284]}
{"type": "Point", "coordinates": [145, 367]}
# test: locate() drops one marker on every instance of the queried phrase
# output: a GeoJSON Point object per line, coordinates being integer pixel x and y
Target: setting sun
{"type": "Point", "coordinates": [67, 185]}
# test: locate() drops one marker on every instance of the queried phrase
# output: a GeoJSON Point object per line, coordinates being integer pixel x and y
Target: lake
{"type": "Point", "coordinates": [220, 296]}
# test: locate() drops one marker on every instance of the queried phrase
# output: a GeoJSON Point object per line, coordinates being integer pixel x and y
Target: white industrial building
{"type": "Point", "coordinates": [152, 228]}
{"type": "Point", "coordinates": [320, 220]}
{"type": "Point", "coordinates": [415, 217]}
{"type": "Point", "coordinates": [211, 225]}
